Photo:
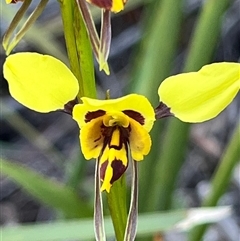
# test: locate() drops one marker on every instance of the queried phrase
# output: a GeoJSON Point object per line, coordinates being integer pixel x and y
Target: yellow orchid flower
{"type": "Point", "coordinates": [113, 129]}
{"type": "Point", "coordinates": [110, 130]}
{"type": "Point", "coordinates": [112, 5]}
{"type": "Point", "coordinates": [199, 96]}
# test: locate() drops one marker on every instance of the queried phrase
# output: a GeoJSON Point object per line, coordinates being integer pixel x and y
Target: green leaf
{"type": "Point", "coordinates": [148, 224]}
{"type": "Point", "coordinates": [83, 229]}
{"type": "Point", "coordinates": [47, 191]}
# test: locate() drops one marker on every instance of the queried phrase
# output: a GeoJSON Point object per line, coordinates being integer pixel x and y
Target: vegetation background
{"type": "Point", "coordinates": [44, 177]}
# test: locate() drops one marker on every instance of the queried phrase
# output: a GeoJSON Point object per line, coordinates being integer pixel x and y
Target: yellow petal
{"type": "Point", "coordinates": [200, 96]}
{"type": "Point", "coordinates": [40, 82]}
{"type": "Point", "coordinates": [91, 139]}
{"type": "Point", "coordinates": [135, 106]}
{"type": "Point", "coordinates": [139, 141]}
{"type": "Point", "coordinates": [118, 5]}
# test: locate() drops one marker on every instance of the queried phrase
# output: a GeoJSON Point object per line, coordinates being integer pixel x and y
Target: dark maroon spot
{"type": "Point", "coordinates": [162, 111]}
{"type": "Point", "coordinates": [135, 115]}
{"type": "Point", "coordinates": [103, 170]}
{"type": "Point", "coordinates": [107, 133]}
{"type": "Point", "coordinates": [118, 170]}
{"type": "Point", "coordinates": [106, 4]}
{"type": "Point", "coordinates": [94, 114]}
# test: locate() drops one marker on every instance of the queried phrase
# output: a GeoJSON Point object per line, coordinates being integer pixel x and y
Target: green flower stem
{"type": "Point", "coordinates": [201, 51]}
{"type": "Point", "coordinates": [81, 62]}
{"type": "Point", "coordinates": [117, 206]}
{"type": "Point", "coordinates": [220, 180]}
{"type": "Point", "coordinates": [66, 7]}
{"type": "Point", "coordinates": [85, 55]}
{"type": "Point", "coordinates": [78, 48]}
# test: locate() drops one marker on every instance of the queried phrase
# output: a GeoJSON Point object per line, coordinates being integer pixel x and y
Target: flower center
{"type": "Point", "coordinates": [116, 119]}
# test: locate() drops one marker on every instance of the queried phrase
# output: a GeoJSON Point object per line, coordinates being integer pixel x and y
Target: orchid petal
{"type": "Point", "coordinates": [40, 82]}
{"type": "Point", "coordinates": [200, 96]}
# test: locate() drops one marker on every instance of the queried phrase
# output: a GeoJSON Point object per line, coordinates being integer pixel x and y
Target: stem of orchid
{"type": "Point", "coordinates": [98, 207]}
{"type": "Point", "coordinates": [85, 56]}
{"type": "Point", "coordinates": [221, 179]}
{"type": "Point", "coordinates": [117, 205]}
{"type": "Point", "coordinates": [17, 18]}
{"type": "Point", "coordinates": [66, 7]}
{"type": "Point", "coordinates": [78, 48]}
{"type": "Point", "coordinates": [105, 39]}
{"type": "Point", "coordinates": [30, 21]}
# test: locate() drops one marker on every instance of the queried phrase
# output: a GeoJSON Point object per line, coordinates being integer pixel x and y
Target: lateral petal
{"type": "Point", "coordinates": [91, 139]}
{"type": "Point", "coordinates": [40, 82]}
{"type": "Point", "coordinates": [139, 141]}
{"type": "Point", "coordinates": [200, 96]}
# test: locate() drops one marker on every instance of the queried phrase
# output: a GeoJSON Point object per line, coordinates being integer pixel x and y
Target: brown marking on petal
{"type": "Point", "coordinates": [124, 136]}
{"type": "Point", "coordinates": [135, 115]}
{"type": "Point", "coordinates": [103, 168]}
{"type": "Point", "coordinates": [162, 111]}
{"type": "Point", "coordinates": [118, 170]}
{"type": "Point", "coordinates": [94, 114]}
{"type": "Point", "coordinates": [106, 4]}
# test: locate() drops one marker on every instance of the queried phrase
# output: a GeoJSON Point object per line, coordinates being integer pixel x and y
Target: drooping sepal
{"type": "Point", "coordinates": [98, 207]}
{"type": "Point", "coordinates": [92, 33]}
{"type": "Point", "coordinates": [131, 227]}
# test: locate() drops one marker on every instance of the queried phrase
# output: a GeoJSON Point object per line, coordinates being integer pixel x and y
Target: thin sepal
{"type": "Point", "coordinates": [16, 20]}
{"type": "Point", "coordinates": [105, 38]}
{"type": "Point", "coordinates": [131, 227]}
{"type": "Point", "coordinates": [92, 32]}
{"type": "Point", "coordinates": [98, 207]}
{"type": "Point", "coordinates": [30, 21]}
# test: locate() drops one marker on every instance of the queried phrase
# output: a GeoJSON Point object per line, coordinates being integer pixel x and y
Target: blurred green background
{"type": "Point", "coordinates": [44, 177]}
